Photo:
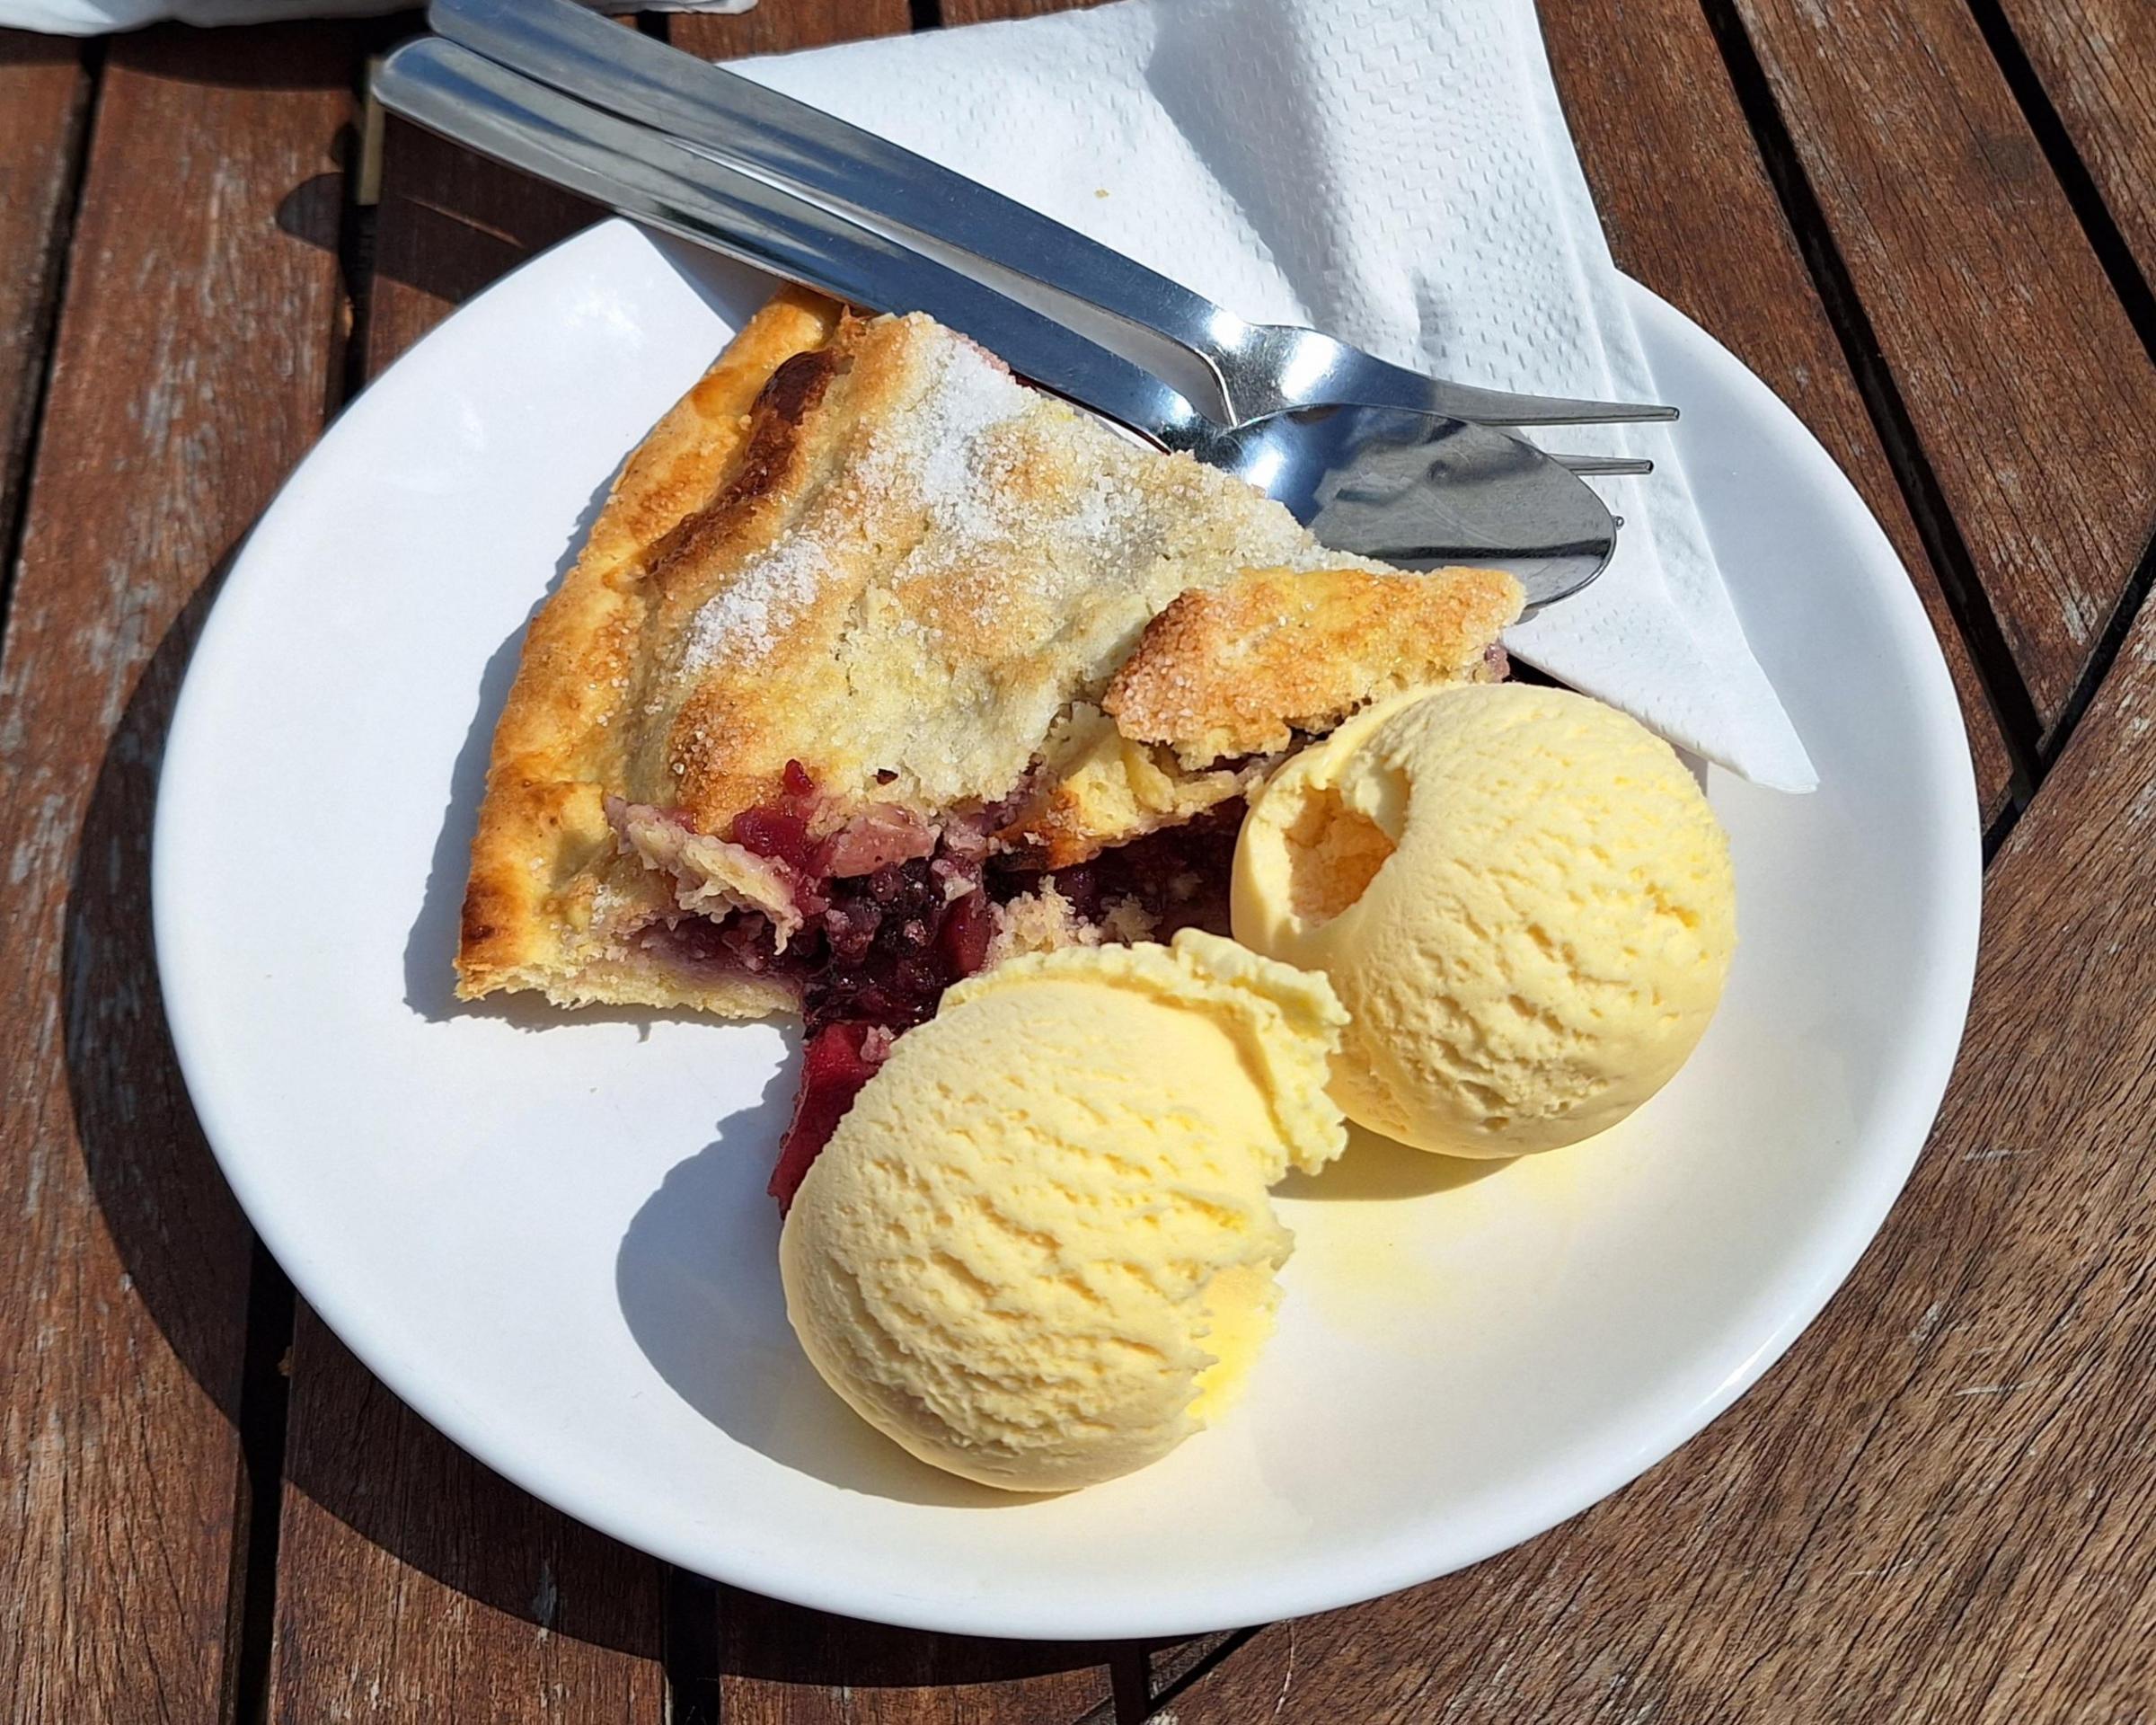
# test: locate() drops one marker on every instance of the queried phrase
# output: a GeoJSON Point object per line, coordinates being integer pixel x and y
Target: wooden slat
{"type": "Point", "coordinates": [42, 90]}
{"type": "Point", "coordinates": [2029, 393]}
{"type": "Point", "coordinates": [413, 1583]}
{"type": "Point", "coordinates": [983, 11]}
{"type": "Point", "coordinates": [1942, 1505]}
{"type": "Point", "coordinates": [1689, 211]}
{"type": "Point", "coordinates": [783, 1666]}
{"type": "Point", "coordinates": [192, 352]}
{"type": "Point", "coordinates": [2096, 59]}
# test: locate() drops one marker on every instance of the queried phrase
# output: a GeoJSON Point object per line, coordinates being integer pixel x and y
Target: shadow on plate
{"type": "Point", "coordinates": [719, 1335]}
{"type": "Point", "coordinates": [1374, 1167]}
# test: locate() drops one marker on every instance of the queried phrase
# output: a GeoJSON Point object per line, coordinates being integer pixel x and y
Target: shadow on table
{"type": "Point", "coordinates": [450, 224]}
{"type": "Point", "coordinates": [297, 56]}
{"type": "Point", "coordinates": [172, 1219]}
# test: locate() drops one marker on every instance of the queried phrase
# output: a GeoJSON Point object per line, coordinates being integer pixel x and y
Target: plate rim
{"type": "Point", "coordinates": [1860, 1211]}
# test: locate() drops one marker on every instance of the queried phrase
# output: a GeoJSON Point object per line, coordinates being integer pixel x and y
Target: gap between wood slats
{"type": "Point", "coordinates": [272, 1303]}
{"type": "Point", "coordinates": [355, 236]}
{"type": "Point", "coordinates": [1949, 553]}
{"type": "Point", "coordinates": [2107, 239]}
{"type": "Point", "coordinates": [1142, 1691]}
{"type": "Point", "coordinates": [2131, 283]}
{"type": "Point", "coordinates": [14, 482]}
{"type": "Point", "coordinates": [689, 1651]}
{"type": "Point", "coordinates": [264, 1398]}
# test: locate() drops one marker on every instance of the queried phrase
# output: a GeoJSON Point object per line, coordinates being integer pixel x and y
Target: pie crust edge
{"type": "Point", "coordinates": [543, 820]}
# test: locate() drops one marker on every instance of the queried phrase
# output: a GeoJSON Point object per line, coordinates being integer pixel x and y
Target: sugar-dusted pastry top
{"type": "Point", "coordinates": [861, 545]}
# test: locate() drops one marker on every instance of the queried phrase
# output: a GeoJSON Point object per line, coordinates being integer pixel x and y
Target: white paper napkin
{"type": "Point", "coordinates": [96, 17]}
{"type": "Point", "coordinates": [1394, 172]}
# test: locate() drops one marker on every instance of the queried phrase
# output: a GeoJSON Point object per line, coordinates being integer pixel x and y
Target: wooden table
{"type": "Point", "coordinates": [1930, 224]}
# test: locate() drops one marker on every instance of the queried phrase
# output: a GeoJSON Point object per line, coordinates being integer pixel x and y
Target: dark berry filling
{"type": "Point", "coordinates": [1176, 877]}
{"type": "Point", "coordinates": [891, 944]}
{"type": "Point", "coordinates": [836, 1062]}
{"type": "Point", "coordinates": [893, 912]}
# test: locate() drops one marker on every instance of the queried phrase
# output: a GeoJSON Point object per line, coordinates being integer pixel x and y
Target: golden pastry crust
{"type": "Point", "coordinates": [931, 563]}
{"type": "Point", "coordinates": [1236, 669]}
{"type": "Point", "coordinates": [858, 545]}
{"type": "Point", "coordinates": [543, 857]}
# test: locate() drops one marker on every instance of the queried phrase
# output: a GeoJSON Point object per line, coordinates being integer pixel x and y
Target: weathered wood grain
{"type": "Point", "coordinates": [777, 28]}
{"type": "Point", "coordinates": [2032, 398]}
{"type": "Point", "coordinates": [1942, 1505]}
{"type": "Point", "coordinates": [2097, 60]}
{"type": "Point", "coordinates": [783, 1666]}
{"type": "Point", "coordinates": [42, 89]}
{"type": "Point", "coordinates": [192, 351]}
{"type": "Point", "coordinates": [413, 1584]}
{"type": "Point", "coordinates": [982, 12]}
{"type": "Point", "coordinates": [1689, 211]}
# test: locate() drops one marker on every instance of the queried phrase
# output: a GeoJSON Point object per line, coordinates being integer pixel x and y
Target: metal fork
{"type": "Point", "coordinates": [1403, 485]}
{"type": "Point", "coordinates": [1235, 371]}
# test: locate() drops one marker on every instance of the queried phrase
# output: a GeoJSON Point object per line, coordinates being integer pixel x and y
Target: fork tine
{"type": "Point", "coordinates": [1607, 466]}
{"type": "Point", "coordinates": [1501, 407]}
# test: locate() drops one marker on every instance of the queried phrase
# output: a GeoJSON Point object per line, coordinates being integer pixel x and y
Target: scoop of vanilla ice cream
{"type": "Point", "coordinates": [1037, 1251]}
{"type": "Point", "coordinates": [1522, 899]}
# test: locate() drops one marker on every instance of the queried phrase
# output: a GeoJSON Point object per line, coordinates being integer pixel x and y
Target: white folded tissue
{"type": "Point", "coordinates": [96, 17]}
{"type": "Point", "coordinates": [1397, 172]}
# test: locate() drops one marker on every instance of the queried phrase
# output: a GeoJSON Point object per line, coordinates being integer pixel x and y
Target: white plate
{"type": "Point", "coordinates": [548, 1232]}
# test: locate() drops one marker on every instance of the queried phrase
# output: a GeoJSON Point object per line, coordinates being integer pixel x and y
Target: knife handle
{"type": "Point", "coordinates": [640, 173]}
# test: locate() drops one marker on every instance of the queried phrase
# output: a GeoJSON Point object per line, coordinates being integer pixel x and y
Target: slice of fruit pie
{"type": "Point", "coordinates": [879, 666]}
